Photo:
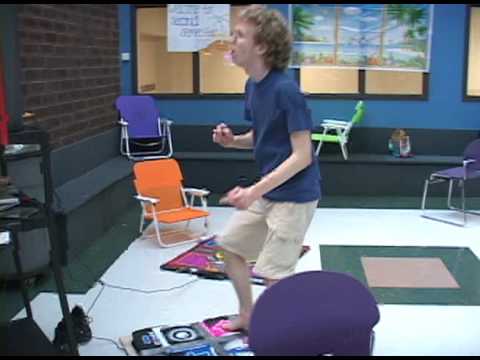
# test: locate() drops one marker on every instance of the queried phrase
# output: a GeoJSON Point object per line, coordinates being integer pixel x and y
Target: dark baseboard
{"type": "Point", "coordinates": [363, 140]}
{"type": "Point", "coordinates": [368, 176]}
{"type": "Point", "coordinates": [369, 171]}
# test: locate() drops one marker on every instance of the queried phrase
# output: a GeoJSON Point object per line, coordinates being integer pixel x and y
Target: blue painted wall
{"type": "Point", "coordinates": [126, 37]}
{"type": "Point", "coordinates": [444, 109]}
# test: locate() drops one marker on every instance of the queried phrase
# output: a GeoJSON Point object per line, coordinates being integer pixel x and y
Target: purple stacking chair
{"type": "Point", "coordinates": [314, 313]}
{"type": "Point", "coordinates": [145, 135]}
{"type": "Point", "coordinates": [469, 170]}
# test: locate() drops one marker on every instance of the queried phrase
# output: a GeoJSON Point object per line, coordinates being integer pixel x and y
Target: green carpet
{"type": "Point", "coordinates": [463, 265]}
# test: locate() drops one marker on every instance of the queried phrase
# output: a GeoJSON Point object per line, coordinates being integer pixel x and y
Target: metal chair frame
{"type": "Point", "coordinates": [470, 170]}
{"type": "Point", "coordinates": [433, 179]}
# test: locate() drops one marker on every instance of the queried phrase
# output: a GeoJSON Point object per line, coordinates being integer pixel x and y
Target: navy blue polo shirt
{"type": "Point", "coordinates": [276, 108]}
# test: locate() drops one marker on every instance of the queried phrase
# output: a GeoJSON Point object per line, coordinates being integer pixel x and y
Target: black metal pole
{"type": "Point", "coordinates": [18, 264]}
{"type": "Point", "coordinates": [55, 247]}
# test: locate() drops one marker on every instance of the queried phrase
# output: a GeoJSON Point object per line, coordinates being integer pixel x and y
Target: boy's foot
{"type": "Point", "coordinates": [238, 323]}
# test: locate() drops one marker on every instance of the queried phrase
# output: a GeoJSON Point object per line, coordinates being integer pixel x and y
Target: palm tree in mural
{"type": "Point", "coordinates": [382, 34]}
{"type": "Point", "coordinates": [415, 19]}
{"type": "Point", "coordinates": [302, 21]}
{"type": "Point", "coordinates": [412, 17]}
{"type": "Point", "coordinates": [397, 12]}
{"type": "Point", "coordinates": [338, 12]}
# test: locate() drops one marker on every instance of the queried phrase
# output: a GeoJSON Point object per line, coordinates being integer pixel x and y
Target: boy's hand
{"type": "Point", "coordinates": [222, 135]}
{"type": "Point", "coordinates": [240, 197]}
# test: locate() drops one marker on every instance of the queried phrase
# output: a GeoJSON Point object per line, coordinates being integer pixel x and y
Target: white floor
{"type": "Point", "coordinates": [402, 330]}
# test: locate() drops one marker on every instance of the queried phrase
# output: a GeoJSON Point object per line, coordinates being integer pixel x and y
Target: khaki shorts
{"type": "Point", "coordinates": [270, 233]}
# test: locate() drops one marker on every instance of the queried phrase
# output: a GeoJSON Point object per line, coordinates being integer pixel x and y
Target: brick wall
{"type": "Point", "coordinates": [70, 68]}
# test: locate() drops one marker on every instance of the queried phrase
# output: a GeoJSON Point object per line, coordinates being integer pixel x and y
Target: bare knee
{"type": "Point", "coordinates": [231, 258]}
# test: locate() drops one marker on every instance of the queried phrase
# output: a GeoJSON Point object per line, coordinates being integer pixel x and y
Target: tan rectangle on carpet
{"type": "Point", "coordinates": [402, 272]}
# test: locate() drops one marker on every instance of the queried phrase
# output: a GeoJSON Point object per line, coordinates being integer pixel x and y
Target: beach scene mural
{"type": "Point", "coordinates": [373, 36]}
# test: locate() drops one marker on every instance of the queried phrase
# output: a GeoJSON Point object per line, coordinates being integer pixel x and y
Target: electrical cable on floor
{"type": "Point", "coordinates": [95, 301]}
{"type": "Point", "coordinates": [147, 291]}
{"type": "Point", "coordinates": [113, 342]}
{"type": "Point", "coordinates": [90, 319]}
{"type": "Point", "coordinates": [105, 285]}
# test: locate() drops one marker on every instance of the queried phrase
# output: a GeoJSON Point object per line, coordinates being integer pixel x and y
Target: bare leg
{"type": "Point", "coordinates": [270, 282]}
{"type": "Point", "coordinates": [238, 271]}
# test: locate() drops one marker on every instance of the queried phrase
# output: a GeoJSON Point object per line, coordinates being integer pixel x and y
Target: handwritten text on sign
{"type": "Point", "coordinates": [192, 27]}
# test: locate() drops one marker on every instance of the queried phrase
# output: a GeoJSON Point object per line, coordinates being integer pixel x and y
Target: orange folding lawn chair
{"type": "Point", "coordinates": [165, 201]}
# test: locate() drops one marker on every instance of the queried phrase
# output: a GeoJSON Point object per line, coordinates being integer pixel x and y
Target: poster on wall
{"type": "Point", "coordinates": [192, 27]}
{"type": "Point", "coordinates": [364, 36]}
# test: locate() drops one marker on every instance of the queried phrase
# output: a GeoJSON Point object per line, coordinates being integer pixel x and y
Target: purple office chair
{"type": "Point", "coordinates": [145, 134]}
{"type": "Point", "coordinates": [314, 313]}
{"type": "Point", "coordinates": [469, 170]}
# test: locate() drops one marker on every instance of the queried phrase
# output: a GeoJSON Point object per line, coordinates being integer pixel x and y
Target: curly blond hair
{"type": "Point", "coordinates": [271, 30]}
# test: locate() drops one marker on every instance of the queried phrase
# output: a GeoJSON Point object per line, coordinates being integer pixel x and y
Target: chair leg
{"type": "Point", "coordinates": [157, 229]}
{"type": "Point", "coordinates": [142, 221]}
{"type": "Point", "coordinates": [343, 146]}
{"type": "Point", "coordinates": [427, 183]}
{"type": "Point", "coordinates": [127, 149]}
{"type": "Point", "coordinates": [424, 197]}
{"type": "Point", "coordinates": [205, 228]}
{"type": "Point", "coordinates": [461, 183]}
{"type": "Point", "coordinates": [463, 203]}
{"type": "Point", "coordinates": [123, 141]}
{"type": "Point", "coordinates": [169, 140]}
{"type": "Point", "coordinates": [319, 146]}
{"type": "Point", "coordinates": [463, 198]}
{"type": "Point", "coordinates": [450, 192]}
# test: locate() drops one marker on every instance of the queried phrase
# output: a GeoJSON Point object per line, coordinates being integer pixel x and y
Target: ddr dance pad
{"type": "Point", "coordinates": [205, 338]}
{"type": "Point", "coordinates": [206, 260]}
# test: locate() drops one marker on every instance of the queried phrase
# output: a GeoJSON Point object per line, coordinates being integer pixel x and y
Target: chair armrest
{"type": "Point", "coordinates": [197, 192]}
{"type": "Point", "coordinates": [146, 199]}
{"type": "Point", "coordinates": [122, 122]}
{"type": "Point", "coordinates": [164, 120]}
{"type": "Point", "coordinates": [334, 121]}
{"type": "Point", "coordinates": [467, 165]}
{"type": "Point", "coordinates": [332, 126]}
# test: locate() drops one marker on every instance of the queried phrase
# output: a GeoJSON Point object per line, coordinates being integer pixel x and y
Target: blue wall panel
{"type": "Point", "coordinates": [126, 37]}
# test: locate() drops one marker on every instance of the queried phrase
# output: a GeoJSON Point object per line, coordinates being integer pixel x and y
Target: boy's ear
{"type": "Point", "coordinates": [261, 49]}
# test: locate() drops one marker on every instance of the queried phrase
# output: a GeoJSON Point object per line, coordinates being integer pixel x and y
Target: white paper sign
{"type": "Point", "coordinates": [4, 238]}
{"type": "Point", "coordinates": [192, 27]}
